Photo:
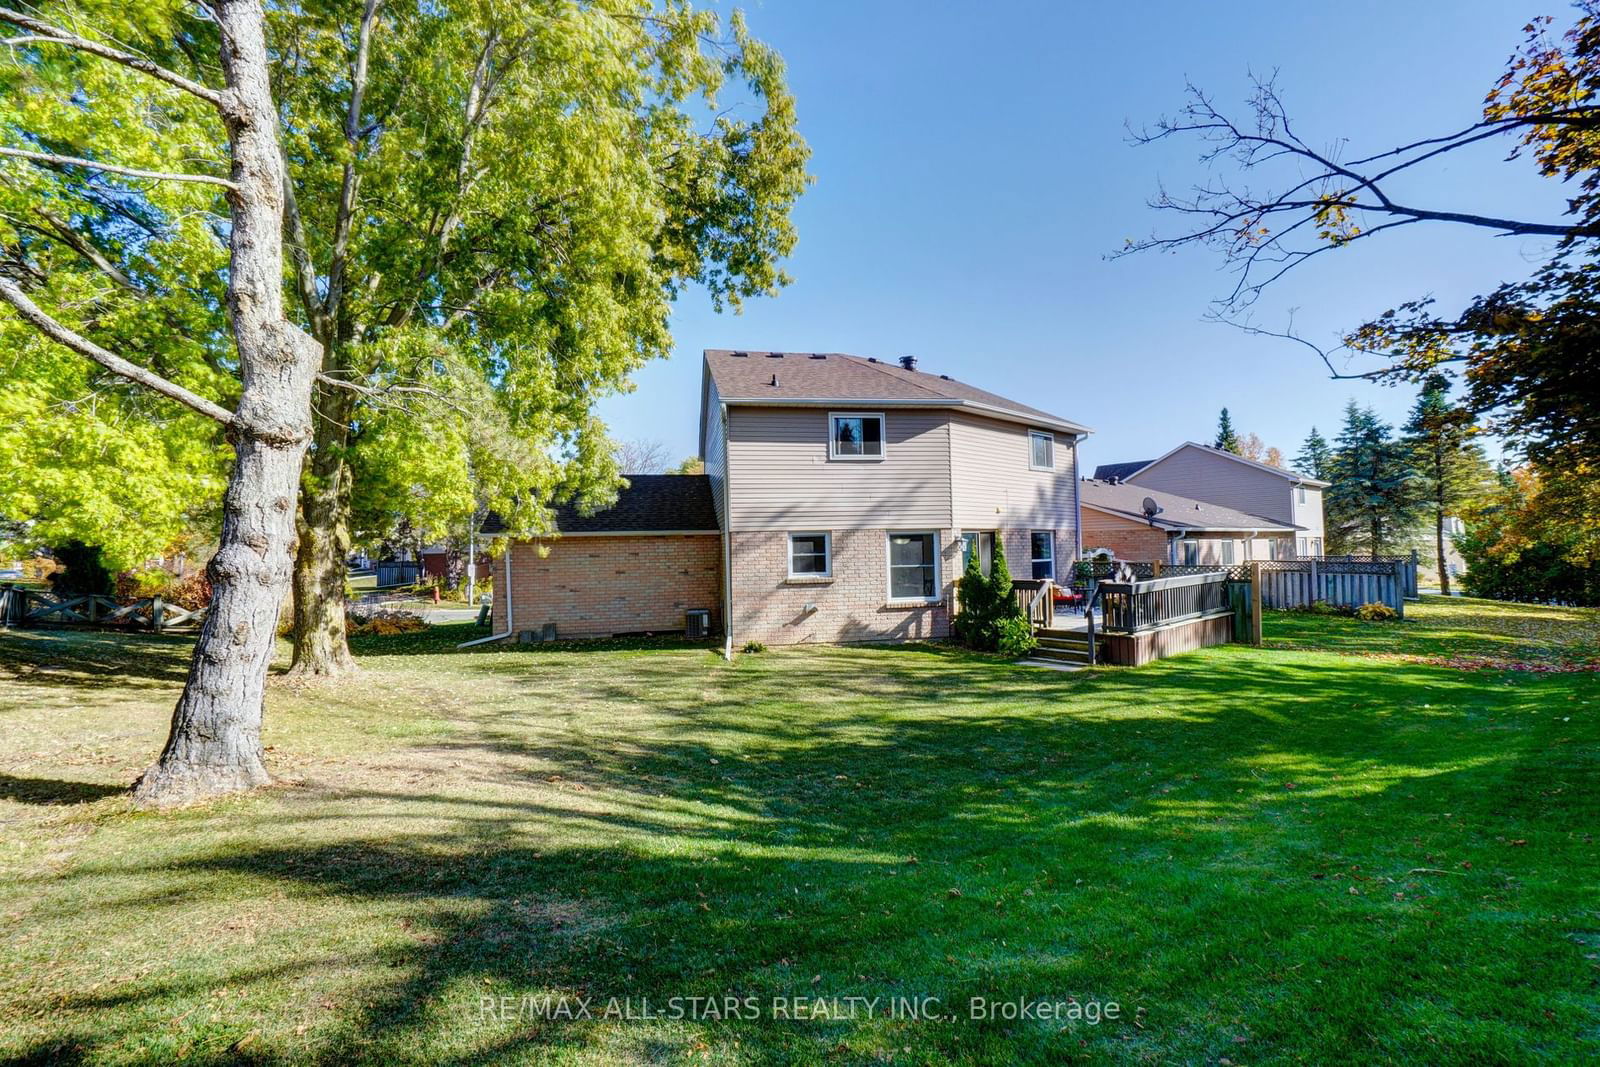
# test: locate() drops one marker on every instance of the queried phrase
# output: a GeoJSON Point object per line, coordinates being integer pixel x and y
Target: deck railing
{"type": "Point", "coordinates": [1132, 607]}
{"type": "Point", "coordinates": [1037, 597]}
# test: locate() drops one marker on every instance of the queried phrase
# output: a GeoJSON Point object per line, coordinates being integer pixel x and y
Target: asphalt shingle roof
{"type": "Point", "coordinates": [650, 502]}
{"type": "Point", "coordinates": [1177, 512]}
{"type": "Point", "coordinates": [801, 377]}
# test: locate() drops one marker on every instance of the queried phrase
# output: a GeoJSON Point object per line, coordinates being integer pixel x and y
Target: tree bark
{"type": "Point", "coordinates": [321, 649]}
{"type": "Point", "coordinates": [215, 740]}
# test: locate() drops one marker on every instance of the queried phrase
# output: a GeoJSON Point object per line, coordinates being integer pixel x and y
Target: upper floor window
{"type": "Point", "coordinates": [810, 555]}
{"type": "Point", "coordinates": [1041, 450]}
{"type": "Point", "coordinates": [853, 435]}
{"type": "Point", "coordinates": [1302, 491]}
{"type": "Point", "coordinates": [913, 566]}
{"type": "Point", "coordinates": [1043, 547]}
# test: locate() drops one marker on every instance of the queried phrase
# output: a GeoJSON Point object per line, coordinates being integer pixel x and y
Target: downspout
{"type": "Point", "coordinates": [1077, 506]}
{"type": "Point", "coordinates": [727, 541]}
{"type": "Point", "coordinates": [509, 628]}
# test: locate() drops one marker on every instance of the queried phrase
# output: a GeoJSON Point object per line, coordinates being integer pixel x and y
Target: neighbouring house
{"type": "Point", "coordinates": [840, 500]}
{"type": "Point", "coordinates": [1214, 476]}
{"type": "Point", "coordinates": [1178, 530]}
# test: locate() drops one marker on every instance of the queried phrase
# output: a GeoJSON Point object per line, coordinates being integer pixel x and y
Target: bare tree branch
{"type": "Point", "coordinates": [30, 312]}
{"type": "Point", "coordinates": [48, 158]}
{"type": "Point", "coordinates": [44, 31]}
{"type": "Point", "coordinates": [1322, 202]}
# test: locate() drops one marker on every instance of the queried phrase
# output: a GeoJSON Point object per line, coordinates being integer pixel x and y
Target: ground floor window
{"type": "Point", "coordinates": [1303, 546]}
{"type": "Point", "coordinates": [810, 555]}
{"type": "Point", "coordinates": [979, 543]}
{"type": "Point", "coordinates": [913, 566]}
{"type": "Point", "coordinates": [1043, 551]}
{"type": "Point", "coordinates": [1316, 546]}
{"type": "Point", "coordinates": [1191, 553]}
{"type": "Point", "coordinates": [1227, 552]}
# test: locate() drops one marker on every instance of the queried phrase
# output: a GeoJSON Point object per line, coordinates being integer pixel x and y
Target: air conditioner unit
{"type": "Point", "coordinates": [697, 624]}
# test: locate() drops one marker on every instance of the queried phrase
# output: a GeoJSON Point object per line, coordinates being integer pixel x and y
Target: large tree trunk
{"type": "Point", "coordinates": [215, 741]}
{"type": "Point", "coordinates": [320, 646]}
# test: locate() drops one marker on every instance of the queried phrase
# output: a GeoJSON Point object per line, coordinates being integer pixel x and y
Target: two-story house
{"type": "Point", "coordinates": [844, 496]}
{"type": "Point", "coordinates": [1237, 509]}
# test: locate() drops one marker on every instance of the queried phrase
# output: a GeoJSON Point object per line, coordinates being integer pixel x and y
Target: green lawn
{"type": "Point", "coordinates": [1274, 855]}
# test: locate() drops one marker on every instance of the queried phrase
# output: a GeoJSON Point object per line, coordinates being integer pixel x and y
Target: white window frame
{"type": "Point", "coordinates": [1302, 491]}
{"type": "Point", "coordinates": [1191, 552]}
{"type": "Point", "coordinates": [978, 536]}
{"type": "Point", "coordinates": [883, 436]}
{"type": "Point", "coordinates": [1034, 560]}
{"type": "Point", "coordinates": [1051, 438]}
{"type": "Point", "coordinates": [827, 555]}
{"type": "Point", "coordinates": [1226, 551]}
{"type": "Point", "coordinates": [888, 565]}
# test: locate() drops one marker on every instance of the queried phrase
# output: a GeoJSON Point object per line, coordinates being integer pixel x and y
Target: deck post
{"type": "Point", "coordinates": [1255, 603]}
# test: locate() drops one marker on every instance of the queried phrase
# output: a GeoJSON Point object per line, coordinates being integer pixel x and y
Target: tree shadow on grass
{"type": "Point", "coordinates": [1137, 835]}
{"type": "Point", "coordinates": [54, 790]}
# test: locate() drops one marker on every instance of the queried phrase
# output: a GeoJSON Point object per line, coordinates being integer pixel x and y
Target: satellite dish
{"type": "Point", "coordinates": [1151, 508]}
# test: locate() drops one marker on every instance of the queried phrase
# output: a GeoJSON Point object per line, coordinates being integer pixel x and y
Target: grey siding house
{"type": "Point", "coordinates": [1202, 473]}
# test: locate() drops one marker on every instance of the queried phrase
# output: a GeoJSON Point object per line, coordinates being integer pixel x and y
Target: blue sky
{"type": "Point", "coordinates": [972, 171]}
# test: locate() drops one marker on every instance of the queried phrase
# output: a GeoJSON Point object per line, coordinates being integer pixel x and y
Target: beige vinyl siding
{"type": "Point", "coordinates": [716, 452]}
{"type": "Point", "coordinates": [1309, 514]}
{"type": "Point", "coordinates": [1218, 480]}
{"type": "Point", "coordinates": [994, 487]}
{"type": "Point", "coordinates": [781, 477]}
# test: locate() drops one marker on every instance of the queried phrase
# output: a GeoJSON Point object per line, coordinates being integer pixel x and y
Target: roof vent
{"type": "Point", "coordinates": [944, 377]}
{"type": "Point", "coordinates": [774, 381]}
{"type": "Point", "coordinates": [908, 362]}
{"type": "Point", "coordinates": [872, 359]}
{"type": "Point", "coordinates": [774, 355]}
{"type": "Point", "coordinates": [740, 355]}
{"type": "Point", "coordinates": [818, 355]}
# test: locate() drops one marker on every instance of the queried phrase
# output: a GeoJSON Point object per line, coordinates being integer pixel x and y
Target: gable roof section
{"type": "Point", "coordinates": [819, 379]}
{"type": "Point", "coordinates": [650, 503]}
{"type": "Point", "coordinates": [1108, 471]}
{"type": "Point", "coordinates": [1294, 477]}
{"type": "Point", "coordinates": [1177, 512]}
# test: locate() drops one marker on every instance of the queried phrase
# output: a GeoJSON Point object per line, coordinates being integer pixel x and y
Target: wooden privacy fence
{"type": "Point", "coordinates": [28, 607]}
{"type": "Point", "coordinates": [1298, 584]}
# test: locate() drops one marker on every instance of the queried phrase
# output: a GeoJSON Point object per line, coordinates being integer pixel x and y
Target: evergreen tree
{"type": "Point", "coordinates": [1315, 456]}
{"type": "Point", "coordinates": [1374, 497]}
{"type": "Point", "coordinates": [1451, 469]}
{"type": "Point", "coordinates": [1227, 440]}
{"type": "Point", "coordinates": [976, 597]}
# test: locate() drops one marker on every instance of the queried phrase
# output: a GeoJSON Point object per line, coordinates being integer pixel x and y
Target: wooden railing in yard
{"type": "Point", "coordinates": [29, 607]}
{"type": "Point", "coordinates": [1145, 620]}
{"type": "Point", "coordinates": [1130, 607]}
{"type": "Point", "coordinates": [1037, 597]}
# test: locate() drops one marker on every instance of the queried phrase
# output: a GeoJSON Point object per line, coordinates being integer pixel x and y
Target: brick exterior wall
{"type": "Point", "coordinates": [1128, 538]}
{"type": "Point", "coordinates": [853, 605]}
{"type": "Point", "coordinates": [600, 586]}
